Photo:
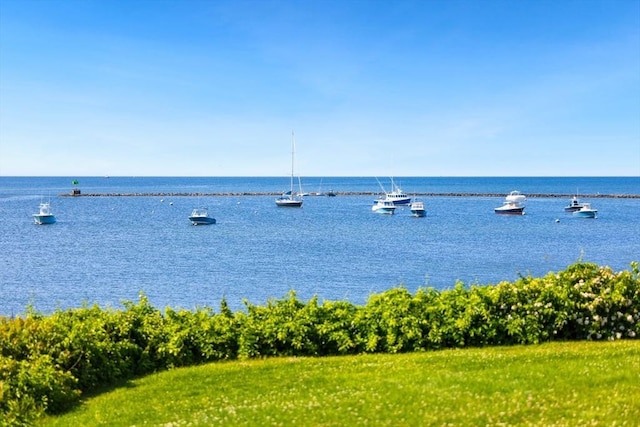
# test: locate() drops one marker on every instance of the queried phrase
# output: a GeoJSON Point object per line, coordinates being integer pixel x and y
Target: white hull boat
{"type": "Point", "coordinates": [44, 216]}
{"type": "Point", "coordinates": [513, 204]}
{"type": "Point", "coordinates": [417, 209]}
{"type": "Point", "coordinates": [384, 207]}
{"type": "Point", "coordinates": [574, 205]}
{"type": "Point", "coordinates": [586, 211]}
{"type": "Point", "coordinates": [288, 199]}
{"type": "Point", "coordinates": [200, 216]}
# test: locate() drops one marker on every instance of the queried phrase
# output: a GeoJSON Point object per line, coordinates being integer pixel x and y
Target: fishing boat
{"type": "Point", "coordinates": [289, 199]}
{"type": "Point", "coordinates": [385, 207]}
{"type": "Point", "coordinates": [44, 216]}
{"type": "Point", "coordinates": [200, 216]}
{"type": "Point", "coordinates": [417, 209]}
{"type": "Point", "coordinates": [396, 196]}
{"type": "Point", "coordinates": [574, 205]}
{"type": "Point", "coordinates": [513, 204]}
{"type": "Point", "coordinates": [586, 211]}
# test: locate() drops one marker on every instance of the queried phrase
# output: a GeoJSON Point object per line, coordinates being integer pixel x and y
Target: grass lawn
{"type": "Point", "coordinates": [573, 384]}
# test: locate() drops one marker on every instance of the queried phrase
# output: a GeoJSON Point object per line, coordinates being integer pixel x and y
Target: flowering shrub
{"type": "Point", "coordinates": [46, 362]}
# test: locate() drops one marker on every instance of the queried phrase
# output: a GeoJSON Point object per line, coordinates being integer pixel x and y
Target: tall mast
{"type": "Point", "coordinates": [292, 159]}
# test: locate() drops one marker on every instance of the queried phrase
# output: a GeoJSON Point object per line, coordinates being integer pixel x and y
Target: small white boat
{"type": "Point", "coordinates": [417, 209]}
{"type": "Point", "coordinates": [44, 216]}
{"type": "Point", "coordinates": [513, 204]}
{"type": "Point", "coordinates": [384, 206]}
{"type": "Point", "coordinates": [288, 199]}
{"type": "Point", "coordinates": [574, 205]}
{"type": "Point", "coordinates": [586, 211]}
{"type": "Point", "coordinates": [200, 216]}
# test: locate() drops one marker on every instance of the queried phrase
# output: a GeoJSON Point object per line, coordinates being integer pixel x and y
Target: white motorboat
{"type": "Point", "coordinates": [417, 209]}
{"type": "Point", "coordinates": [513, 204]}
{"type": "Point", "coordinates": [200, 216]}
{"type": "Point", "coordinates": [44, 216]}
{"type": "Point", "coordinates": [574, 205]}
{"type": "Point", "coordinates": [383, 206]}
{"type": "Point", "coordinates": [586, 211]}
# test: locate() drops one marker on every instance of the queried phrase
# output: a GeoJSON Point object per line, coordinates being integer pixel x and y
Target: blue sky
{"type": "Point", "coordinates": [370, 87]}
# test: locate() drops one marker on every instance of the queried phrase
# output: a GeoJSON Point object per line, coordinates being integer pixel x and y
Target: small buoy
{"type": "Point", "coordinates": [557, 219]}
{"type": "Point", "coordinates": [161, 200]}
{"type": "Point", "coordinates": [171, 203]}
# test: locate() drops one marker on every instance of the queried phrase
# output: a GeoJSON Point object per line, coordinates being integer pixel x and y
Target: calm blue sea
{"type": "Point", "coordinates": [108, 249]}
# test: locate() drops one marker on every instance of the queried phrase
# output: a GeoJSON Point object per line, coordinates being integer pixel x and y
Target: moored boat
{"type": "Point", "coordinates": [200, 216]}
{"type": "Point", "coordinates": [417, 209]}
{"type": "Point", "coordinates": [396, 196]}
{"type": "Point", "coordinates": [44, 216]}
{"type": "Point", "coordinates": [513, 204]}
{"type": "Point", "coordinates": [574, 205]}
{"type": "Point", "coordinates": [586, 211]}
{"type": "Point", "coordinates": [383, 206]}
{"type": "Point", "coordinates": [288, 199]}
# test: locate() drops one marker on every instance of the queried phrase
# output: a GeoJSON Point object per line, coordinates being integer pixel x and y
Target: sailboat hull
{"type": "Point", "coordinates": [289, 203]}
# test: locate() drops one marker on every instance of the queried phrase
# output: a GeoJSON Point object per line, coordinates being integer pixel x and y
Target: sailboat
{"type": "Point", "coordinates": [289, 199]}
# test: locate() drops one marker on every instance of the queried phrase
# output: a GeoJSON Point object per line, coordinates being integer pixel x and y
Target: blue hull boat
{"type": "Point", "coordinates": [200, 216]}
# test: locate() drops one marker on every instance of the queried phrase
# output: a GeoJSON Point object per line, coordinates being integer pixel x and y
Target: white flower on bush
{"type": "Point", "coordinates": [632, 334]}
{"type": "Point", "coordinates": [629, 318]}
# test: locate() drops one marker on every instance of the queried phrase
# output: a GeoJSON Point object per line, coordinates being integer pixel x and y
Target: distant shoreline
{"type": "Point", "coordinates": [349, 193]}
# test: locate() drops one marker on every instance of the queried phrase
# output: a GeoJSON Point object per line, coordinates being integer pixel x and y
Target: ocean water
{"type": "Point", "coordinates": [108, 249]}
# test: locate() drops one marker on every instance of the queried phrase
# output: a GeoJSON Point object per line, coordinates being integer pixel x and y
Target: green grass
{"type": "Point", "coordinates": [575, 384]}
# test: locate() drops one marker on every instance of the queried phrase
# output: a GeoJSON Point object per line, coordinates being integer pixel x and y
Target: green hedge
{"type": "Point", "coordinates": [47, 362]}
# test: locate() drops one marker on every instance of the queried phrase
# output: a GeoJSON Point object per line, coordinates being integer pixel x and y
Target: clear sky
{"type": "Point", "coordinates": [370, 87]}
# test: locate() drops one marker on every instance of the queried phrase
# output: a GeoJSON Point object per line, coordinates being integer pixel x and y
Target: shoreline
{"type": "Point", "coordinates": [350, 193]}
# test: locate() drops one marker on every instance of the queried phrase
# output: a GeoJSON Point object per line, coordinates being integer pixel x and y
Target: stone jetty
{"type": "Point", "coordinates": [351, 193]}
